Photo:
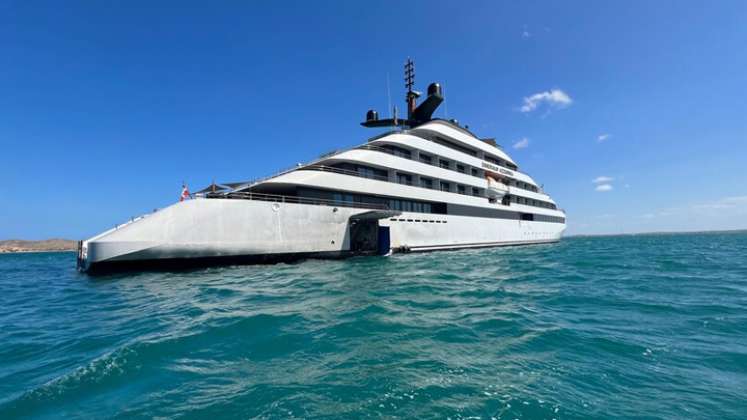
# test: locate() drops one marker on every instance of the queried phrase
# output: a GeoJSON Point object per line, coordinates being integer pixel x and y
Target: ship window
{"type": "Point", "coordinates": [347, 198]}
{"type": "Point", "coordinates": [410, 206]}
{"type": "Point", "coordinates": [474, 172]}
{"type": "Point", "coordinates": [445, 186]}
{"type": "Point", "coordinates": [527, 216]}
{"type": "Point", "coordinates": [493, 160]}
{"type": "Point", "coordinates": [442, 141]}
{"type": "Point", "coordinates": [461, 189]}
{"type": "Point", "coordinates": [443, 163]}
{"type": "Point", "coordinates": [404, 179]}
{"type": "Point", "coordinates": [426, 182]}
{"type": "Point", "coordinates": [369, 172]}
{"type": "Point", "coordinates": [398, 151]}
{"type": "Point", "coordinates": [366, 172]}
{"type": "Point", "coordinates": [426, 159]}
{"type": "Point", "coordinates": [475, 191]}
{"type": "Point", "coordinates": [460, 168]}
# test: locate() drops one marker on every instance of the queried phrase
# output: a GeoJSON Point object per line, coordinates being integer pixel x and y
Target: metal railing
{"type": "Point", "coordinates": [332, 169]}
{"type": "Point", "coordinates": [316, 167]}
{"type": "Point", "coordinates": [300, 200]}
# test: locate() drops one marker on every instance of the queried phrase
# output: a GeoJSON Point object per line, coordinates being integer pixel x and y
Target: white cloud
{"type": "Point", "coordinates": [602, 179]}
{"type": "Point", "coordinates": [522, 143]}
{"type": "Point", "coordinates": [525, 33]}
{"type": "Point", "coordinates": [555, 98]}
{"type": "Point", "coordinates": [603, 187]}
{"type": "Point", "coordinates": [603, 137]}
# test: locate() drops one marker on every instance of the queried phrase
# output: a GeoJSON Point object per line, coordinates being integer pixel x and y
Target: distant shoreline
{"type": "Point", "coordinates": [33, 251]}
{"type": "Point", "coordinates": [17, 246]}
{"type": "Point", "coordinates": [681, 232]}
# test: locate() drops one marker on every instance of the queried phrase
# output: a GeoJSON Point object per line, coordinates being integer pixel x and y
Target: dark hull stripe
{"type": "Point", "coordinates": [480, 245]}
{"type": "Point", "coordinates": [184, 264]}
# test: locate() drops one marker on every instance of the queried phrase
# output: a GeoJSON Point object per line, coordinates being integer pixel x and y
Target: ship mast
{"type": "Point", "coordinates": [416, 114]}
{"type": "Point", "coordinates": [412, 95]}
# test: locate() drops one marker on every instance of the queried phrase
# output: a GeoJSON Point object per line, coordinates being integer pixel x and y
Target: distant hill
{"type": "Point", "coordinates": [17, 245]}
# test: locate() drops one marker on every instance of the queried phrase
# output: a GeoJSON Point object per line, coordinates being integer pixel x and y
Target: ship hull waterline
{"type": "Point", "coordinates": [210, 232]}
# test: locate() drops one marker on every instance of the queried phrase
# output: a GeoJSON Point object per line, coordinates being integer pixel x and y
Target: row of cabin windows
{"type": "Point", "coordinates": [394, 204]}
{"type": "Point", "coordinates": [451, 145]}
{"type": "Point", "coordinates": [363, 170]}
{"type": "Point", "coordinates": [532, 202]}
{"type": "Point", "coordinates": [398, 151]}
{"type": "Point", "coordinates": [461, 168]}
{"type": "Point", "coordinates": [406, 179]}
{"type": "Point", "coordinates": [412, 206]}
{"type": "Point", "coordinates": [443, 142]}
{"type": "Point", "coordinates": [519, 184]}
{"type": "Point", "coordinates": [442, 185]}
{"type": "Point", "coordinates": [501, 162]}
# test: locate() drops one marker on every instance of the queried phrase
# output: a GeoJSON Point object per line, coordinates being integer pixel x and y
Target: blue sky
{"type": "Point", "coordinates": [105, 107]}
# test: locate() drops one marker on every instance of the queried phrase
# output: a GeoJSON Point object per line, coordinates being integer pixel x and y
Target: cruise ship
{"type": "Point", "coordinates": [426, 184]}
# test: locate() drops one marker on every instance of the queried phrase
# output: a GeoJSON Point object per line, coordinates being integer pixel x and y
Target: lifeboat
{"type": "Point", "coordinates": [496, 189]}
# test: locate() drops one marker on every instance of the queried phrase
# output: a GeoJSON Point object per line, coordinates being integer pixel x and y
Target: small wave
{"type": "Point", "coordinates": [108, 368]}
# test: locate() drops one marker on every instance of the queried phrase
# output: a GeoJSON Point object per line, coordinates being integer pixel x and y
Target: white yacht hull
{"type": "Point", "coordinates": [225, 231]}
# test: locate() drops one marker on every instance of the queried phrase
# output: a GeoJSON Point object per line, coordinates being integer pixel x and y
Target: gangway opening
{"type": "Point", "coordinates": [366, 236]}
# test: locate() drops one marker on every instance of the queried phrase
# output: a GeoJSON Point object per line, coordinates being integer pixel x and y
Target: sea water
{"type": "Point", "coordinates": [645, 326]}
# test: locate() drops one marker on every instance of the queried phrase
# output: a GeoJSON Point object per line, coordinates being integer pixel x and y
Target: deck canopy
{"type": "Point", "coordinates": [375, 215]}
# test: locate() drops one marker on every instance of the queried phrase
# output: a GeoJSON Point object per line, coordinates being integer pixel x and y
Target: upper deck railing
{"type": "Point", "coordinates": [296, 200]}
{"type": "Point", "coordinates": [313, 165]}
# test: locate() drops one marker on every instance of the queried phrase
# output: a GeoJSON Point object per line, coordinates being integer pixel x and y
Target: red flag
{"type": "Point", "coordinates": [185, 193]}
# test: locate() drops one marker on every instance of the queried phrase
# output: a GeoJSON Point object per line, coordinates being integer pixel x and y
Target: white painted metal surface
{"type": "Point", "coordinates": [228, 227]}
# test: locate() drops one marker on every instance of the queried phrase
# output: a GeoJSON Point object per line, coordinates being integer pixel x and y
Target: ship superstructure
{"type": "Point", "coordinates": [427, 184]}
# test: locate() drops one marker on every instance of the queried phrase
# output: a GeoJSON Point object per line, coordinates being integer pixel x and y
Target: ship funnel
{"type": "Point", "coordinates": [435, 89]}
{"type": "Point", "coordinates": [424, 111]}
{"type": "Point", "coordinates": [417, 114]}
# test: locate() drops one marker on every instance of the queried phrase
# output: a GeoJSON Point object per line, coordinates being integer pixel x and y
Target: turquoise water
{"type": "Point", "coordinates": [651, 326]}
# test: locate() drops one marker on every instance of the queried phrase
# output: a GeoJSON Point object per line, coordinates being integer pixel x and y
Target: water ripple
{"type": "Point", "coordinates": [629, 326]}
